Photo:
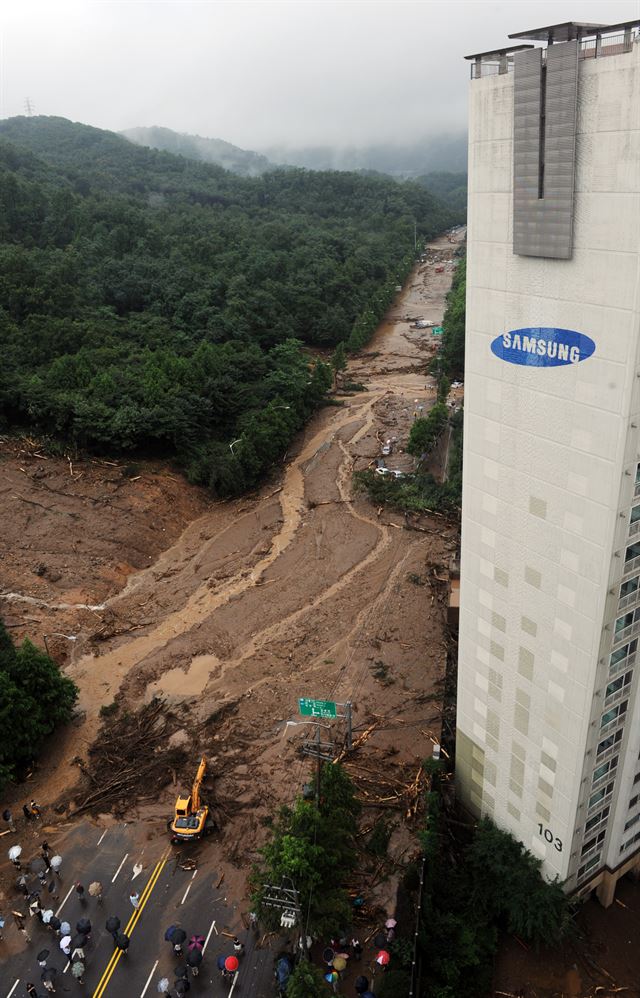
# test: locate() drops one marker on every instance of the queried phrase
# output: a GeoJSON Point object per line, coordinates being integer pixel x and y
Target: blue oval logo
{"type": "Point", "coordinates": [542, 346]}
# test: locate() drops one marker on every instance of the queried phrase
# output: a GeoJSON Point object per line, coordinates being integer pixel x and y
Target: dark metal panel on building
{"type": "Point", "coordinates": [544, 134]}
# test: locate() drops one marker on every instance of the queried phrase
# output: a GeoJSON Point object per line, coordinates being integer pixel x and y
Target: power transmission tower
{"type": "Point", "coordinates": [29, 108]}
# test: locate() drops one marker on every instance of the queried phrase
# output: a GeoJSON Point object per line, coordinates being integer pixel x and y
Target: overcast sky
{"type": "Point", "coordinates": [306, 72]}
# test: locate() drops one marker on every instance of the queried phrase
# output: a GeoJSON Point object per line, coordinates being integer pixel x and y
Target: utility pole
{"type": "Point", "coordinates": [287, 901]}
{"type": "Point", "coordinates": [29, 108]}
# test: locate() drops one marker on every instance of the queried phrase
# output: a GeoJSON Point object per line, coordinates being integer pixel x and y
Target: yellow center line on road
{"type": "Point", "coordinates": [133, 921]}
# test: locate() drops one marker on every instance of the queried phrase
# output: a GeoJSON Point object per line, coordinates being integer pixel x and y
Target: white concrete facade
{"type": "Point", "coordinates": [550, 462]}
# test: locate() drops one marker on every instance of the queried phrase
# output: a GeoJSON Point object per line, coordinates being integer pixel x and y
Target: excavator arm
{"type": "Point", "coordinates": [195, 790]}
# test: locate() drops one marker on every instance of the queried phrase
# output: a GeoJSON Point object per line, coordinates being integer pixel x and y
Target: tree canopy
{"type": "Point", "coordinates": [34, 699]}
{"type": "Point", "coordinates": [150, 302]}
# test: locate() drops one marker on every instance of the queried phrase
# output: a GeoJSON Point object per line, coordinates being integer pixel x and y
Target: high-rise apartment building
{"type": "Point", "coordinates": [548, 739]}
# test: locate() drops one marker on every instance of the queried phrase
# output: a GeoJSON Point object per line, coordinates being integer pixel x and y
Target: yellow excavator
{"type": "Point", "coordinates": [192, 819]}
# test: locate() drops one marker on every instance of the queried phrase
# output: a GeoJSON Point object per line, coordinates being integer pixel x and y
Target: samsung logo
{"type": "Point", "coordinates": [543, 346]}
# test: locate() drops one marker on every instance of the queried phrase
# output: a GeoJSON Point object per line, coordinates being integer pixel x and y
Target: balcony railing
{"type": "Point", "coordinates": [634, 528]}
{"type": "Point", "coordinates": [626, 633]}
{"type": "Point", "coordinates": [629, 600]}
{"type": "Point", "coordinates": [595, 48]}
{"type": "Point", "coordinates": [624, 663]}
{"type": "Point", "coordinates": [631, 566]}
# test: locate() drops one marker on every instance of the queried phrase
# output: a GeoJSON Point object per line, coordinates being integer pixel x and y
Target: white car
{"type": "Point", "coordinates": [387, 448]}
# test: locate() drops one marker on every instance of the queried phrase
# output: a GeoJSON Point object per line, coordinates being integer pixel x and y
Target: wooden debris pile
{"type": "Point", "coordinates": [131, 760]}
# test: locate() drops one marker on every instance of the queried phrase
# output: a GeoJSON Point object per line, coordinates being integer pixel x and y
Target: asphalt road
{"type": "Point", "coordinates": [169, 895]}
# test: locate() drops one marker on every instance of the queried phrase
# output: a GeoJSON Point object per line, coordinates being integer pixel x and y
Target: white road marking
{"type": "Point", "coordinates": [67, 967]}
{"type": "Point", "coordinates": [188, 888]}
{"type": "Point", "coordinates": [65, 900]}
{"type": "Point", "coordinates": [206, 942]}
{"type": "Point", "coordinates": [235, 981]}
{"type": "Point", "coordinates": [137, 870]}
{"type": "Point", "coordinates": [13, 988]}
{"type": "Point", "coordinates": [102, 836]}
{"type": "Point", "coordinates": [119, 868]}
{"type": "Point", "coordinates": [153, 970]}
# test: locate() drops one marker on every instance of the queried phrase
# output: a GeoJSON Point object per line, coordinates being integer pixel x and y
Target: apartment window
{"type": "Point", "coordinates": [638, 474]}
{"type": "Point", "coordinates": [634, 800]}
{"type": "Point", "coordinates": [589, 866]}
{"type": "Point", "coordinates": [632, 552]}
{"type": "Point", "coordinates": [635, 514]}
{"type": "Point", "coordinates": [627, 619]}
{"type": "Point", "coordinates": [632, 821]}
{"type": "Point", "coordinates": [631, 586]}
{"type": "Point", "coordinates": [605, 768]}
{"type": "Point", "coordinates": [588, 846]}
{"type": "Point", "coordinates": [623, 652]}
{"type": "Point", "coordinates": [600, 794]}
{"type": "Point", "coordinates": [597, 818]}
{"type": "Point", "coordinates": [606, 743]}
{"type": "Point", "coordinates": [629, 842]}
{"type": "Point", "coordinates": [618, 684]}
{"type": "Point", "coordinates": [616, 712]}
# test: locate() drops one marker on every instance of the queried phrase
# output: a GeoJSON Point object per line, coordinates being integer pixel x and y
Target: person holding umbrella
{"type": "Point", "coordinates": [122, 942]}
{"type": "Point", "coordinates": [194, 959]}
{"type": "Point", "coordinates": [176, 939]}
{"type": "Point", "coordinates": [14, 856]}
{"type": "Point", "coordinates": [77, 971]}
{"type": "Point", "coordinates": [77, 947]}
{"type": "Point", "coordinates": [55, 923]}
{"type": "Point", "coordinates": [390, 926]}
{"type": "Point", "coordinates": [95, 890]}
{"type": "Point", "coordinates": [361, 985]}
{"type": "Point", "coordinates": [56, 863]}
{"type": "Point", "coordinates": [48, 977]}
{"type": "Point", "coordinates": [112, 925]}
{"type": "Point", "coordinates": [8, 817]}
{"type": "Point", "coordinates": [83, 925]}
{"type": "Point", "coordinates": [383, 958]}
{"type": "Point", "coordinates": [65, 929]}
{"type": "Point", "coordinates": [42, 958]}
{"type": "Point", "coordinates": [31, 990]}
{"type": "Point", "coordinates": [65, 945]}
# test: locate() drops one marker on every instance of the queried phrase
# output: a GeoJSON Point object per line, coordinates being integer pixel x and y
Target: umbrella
{"type": "Point", "coordinates": [181, 971]}
{"type": "Point", "coordinates": [182, 986]}
{"type": "Point", "coordinates": [77, 970]}
{"type": "Point", "coordinates": [54, 922]}
{"type": "Point", "coordinates": [383, 958]}
{"type": "Point", "coordinates": [113, 923]}
{"type": "Point", "coordinates": [361, 985]}
{"type": "Point", "coordinates": [65, 944]}
{"type": "Point", "coordinates": [231, 963]}
{"type": "Point", "coordinates": [122, 940]}
{"type": "Point", "coordinates": [83, 925]}
{"type": "Point", "coordinates": [339, 963]}
{"type": "Point", "coordinates": [14, 852]}
{"type": "Point", "coordinates": [65, 929]}
{"type": "Point", "coordinates": [178, 936]}
{"type": "Point", "coordinates": [390, 923]}
{"type": "Point", "coordinates": [37, 864]}
{"type": "Point", "coordinates": [196, 942]}
{"type": "Point", "coordinates": [49, 974]}
{"type": "Point", "coordinates": [328, 955]}
{"type": "Point", "coordinates": [78, 941]}
{"type": "Point", "coordinates": [47, 916]}
{"type": "Point", "coordinates": [194, 957]}
{"type": "Point", "coordinates": [169, 933]}
{"type": "Point", "coordinates": [331, 977]}
{"type": "Point", "coordinates": [163, 985]}
{"type": "Point", "coordinates": [379, 939]}
{"type": "Point", "coordinates": [95, 889]}
{"type": "Point", "coordinates": [42, 955]}
{"type": "Point", "coordinates": [56, 862]}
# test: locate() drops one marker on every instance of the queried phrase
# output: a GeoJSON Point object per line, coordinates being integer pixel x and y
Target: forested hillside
{"type": "Point", "coordinates": [450, 188]}
{"type": "Point", "coordinates": [148, 302]}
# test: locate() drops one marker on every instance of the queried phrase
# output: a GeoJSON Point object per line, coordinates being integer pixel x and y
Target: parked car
{"type": "Point", "coordinates": [387, 447]}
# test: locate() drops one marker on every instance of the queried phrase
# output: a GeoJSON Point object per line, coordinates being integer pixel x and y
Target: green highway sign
{"type": "Point", "coordinates": [317, 708]}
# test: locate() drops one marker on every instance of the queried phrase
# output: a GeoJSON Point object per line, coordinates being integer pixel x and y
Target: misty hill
{"type": "Point", "coordinates": [155, 304]}
{"type": "Point", "coordinates": [413, 159]}
{"type": "Point", "coordinates": [230, 157]}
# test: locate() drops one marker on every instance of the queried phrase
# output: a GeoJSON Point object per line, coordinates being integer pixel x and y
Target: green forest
{"type": "Point", "coordinates": [154, 304]}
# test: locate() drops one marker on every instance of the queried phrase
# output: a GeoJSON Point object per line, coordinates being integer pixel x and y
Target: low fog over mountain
{"type": "Point", "coordinates": [241, 161]}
